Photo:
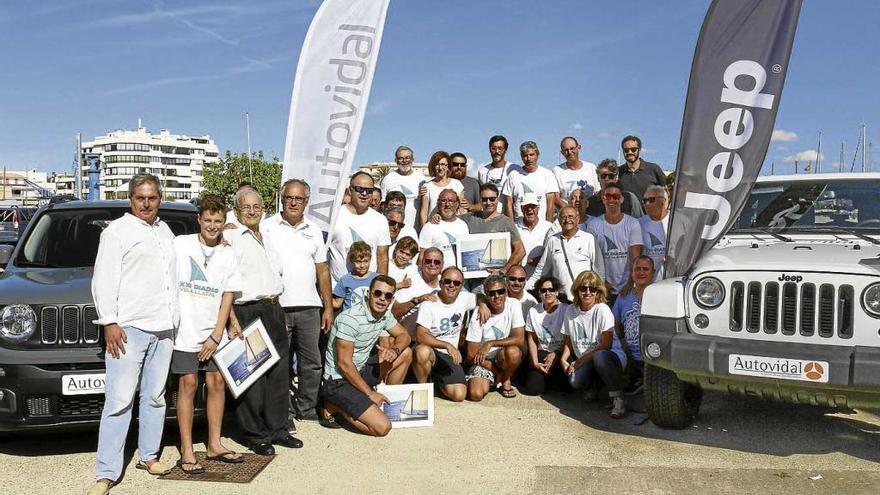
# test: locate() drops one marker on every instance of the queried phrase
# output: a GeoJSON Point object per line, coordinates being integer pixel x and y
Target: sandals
{"type": "Point", "coordinates": [508, 393]}
{"type": "Point", "coordinates": [198, 469]}
{"type": "Point", "coordinates": [157, 468]}
{"type": "Point", "coordinates": [101, 487]}
{"type": "Point", "coordinates": [226, 457]}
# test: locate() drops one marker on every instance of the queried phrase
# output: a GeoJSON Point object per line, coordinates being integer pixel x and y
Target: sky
{"type": "Point", "coordinates": [450, 74]}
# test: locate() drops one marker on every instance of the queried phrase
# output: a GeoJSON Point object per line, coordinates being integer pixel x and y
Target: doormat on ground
{"type": "Point", "coordinates": [219, 471]}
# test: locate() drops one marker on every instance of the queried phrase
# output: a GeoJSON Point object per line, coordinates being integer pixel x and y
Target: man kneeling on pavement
{"type": "Point", "coordinates": [350, 374]}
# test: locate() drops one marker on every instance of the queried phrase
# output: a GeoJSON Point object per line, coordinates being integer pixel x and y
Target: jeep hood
{"type": "Point", "coordinates": [793, 257]}
{"type": "Point", "coordinates": [46, 286]}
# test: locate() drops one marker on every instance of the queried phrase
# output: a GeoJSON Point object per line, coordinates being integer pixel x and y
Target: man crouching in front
{"type": "Point", "coordinates": [349, 375]}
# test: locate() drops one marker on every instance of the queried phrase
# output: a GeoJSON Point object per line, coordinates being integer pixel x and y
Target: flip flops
{"type": "Point", "coordinates": [193, 471]}
{"type": "Point", "coordinates": [508, 393]}
{"type": "Point", "coordinates": [226, 457]}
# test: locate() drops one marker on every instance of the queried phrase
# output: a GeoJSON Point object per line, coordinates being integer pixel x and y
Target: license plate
{"type": "Point", "coordinates": [775, 367]}
{"type": "Point", "coordinates": [92, 383]}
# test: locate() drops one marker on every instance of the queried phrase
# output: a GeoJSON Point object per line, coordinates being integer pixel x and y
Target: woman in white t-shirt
{"type": "Point", "coordinates": [207, 276]}
{"type": "Point", "coordinates": [545, 338]}
{"type": "Point", "coordinates": [438, 167]}
{"type": "Point", "coordinates": [589, 356]}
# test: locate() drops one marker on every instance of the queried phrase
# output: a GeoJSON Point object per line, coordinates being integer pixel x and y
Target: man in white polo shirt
{"type": "Point", "coordinates": [356, 221]}
{"type": "Point", "coordinates": [307, 298]}
{"type": "Point", "coordinates": [533, 231]}
{"type": "Point", "coordinates": [134, 287]}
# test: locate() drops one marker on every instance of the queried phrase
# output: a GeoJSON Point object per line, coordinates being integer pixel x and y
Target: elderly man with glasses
{"type": "Point", "coordinates": [423, 288]}
{"type": "Point", "coordinates": [619, 237]}
{"type": "Point", "coordinates": [654, 226]}
{"type": "Point", "coordinates": [405, 180]}
{"type": "Point", "coordinates": [356, 221]}
{"type": "Point", "coordinates": [350, 375]}
{"type": "Point", "coordinates": [444, 234]}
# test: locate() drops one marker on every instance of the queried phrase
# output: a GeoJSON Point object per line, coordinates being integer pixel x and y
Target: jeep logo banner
{"type": "Point", "coordinates": [333, 80]}
{"type": "Point", "coordinates": [736, 83]}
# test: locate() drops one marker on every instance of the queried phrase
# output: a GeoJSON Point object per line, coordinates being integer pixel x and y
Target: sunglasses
{"type": "Point", "coordinates": [496, 292]}
{"type": "Point", "coordinates": [363, 190]}
{"type": "Point", "coordinates": [612, 196]}
{"type": "Point", "coordinates": [608, 176]}
{"type": "Point", "coordinates": [547, 290]}
{"type": "Point", "coordinates": [649, 201]}
{"type": "Point", "coordinates": [516, 279]}
{"type": "Point", "coordinates": [488, 199]}
{"type": "Point", "coordinates": [432, 262]}
{"type": "Point", "coordinates": [588, 288]}
{"type": "Point", "coordinates": [457, 165]}
{"type": "Point", "coordinates": [630, 150]}
{"type": "Point", "coordinates": [392, 223]}
{"type": "Point", "coordinates": [381, 294]}
{"type": "Point", "coordinates": [449, 281]}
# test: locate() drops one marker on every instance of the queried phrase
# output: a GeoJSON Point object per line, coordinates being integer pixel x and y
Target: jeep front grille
{"type": "Point", "coordinates": [804, 310]}
{"type": "Point", "coordinates": [69, 325]}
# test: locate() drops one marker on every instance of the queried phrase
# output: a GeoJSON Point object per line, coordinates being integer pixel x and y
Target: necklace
{"type": "Point", "coordinates": [207, 255]}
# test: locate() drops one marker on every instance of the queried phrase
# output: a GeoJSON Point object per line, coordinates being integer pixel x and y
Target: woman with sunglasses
{"type": "Point", "coordinates": [545, 339]}
{"type": "Point", "coordinates": [590, 357]}
{"type": "Point", "coordinates": [438, 168]}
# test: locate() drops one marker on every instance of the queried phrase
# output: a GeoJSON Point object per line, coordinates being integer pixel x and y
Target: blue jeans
{"type": "Point", "coordinates": [146, 361]}
{"type": "Point", "coordinates": [603, 368]}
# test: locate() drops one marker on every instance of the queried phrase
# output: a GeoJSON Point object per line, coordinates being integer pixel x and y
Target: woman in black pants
{"type": "Point", "coordinates": [545, 339]}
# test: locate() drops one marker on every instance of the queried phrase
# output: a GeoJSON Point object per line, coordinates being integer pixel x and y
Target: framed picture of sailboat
{"type": "Point", "coordinates": [410, 405]}
{"type": "Point", "coordinates": [242, 360]}
{"type": "Point", "coordinates": [478, 253]}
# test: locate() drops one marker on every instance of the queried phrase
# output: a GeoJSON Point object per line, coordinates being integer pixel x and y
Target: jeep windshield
{"type": "Point", "coordinates": [819, 206]}
{"type": "Point", "coordinates": [68, 238]}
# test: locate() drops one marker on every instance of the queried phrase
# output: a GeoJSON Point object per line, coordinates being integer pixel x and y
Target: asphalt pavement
{"type": "Point", "coordinates": [556, 444]}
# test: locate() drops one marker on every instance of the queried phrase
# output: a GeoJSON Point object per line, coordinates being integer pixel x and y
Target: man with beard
{"type": "Point", "coordinates": [496, 171]}
{"type": "Point", "coordinates": [471, 193]}
{"type": "Point", "coordinates": [406, 181]}
{"type": "Point", "coordinates": [654, 226]}
{"type": "Point", "coordinates": [638, 174]}
{"type": "Point", "coordinates": [443, 235]}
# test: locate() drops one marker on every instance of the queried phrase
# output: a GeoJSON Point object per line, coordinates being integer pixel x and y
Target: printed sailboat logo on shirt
{"type": "Point", "coordinates": [527, 189]}
{"type": "Point", "coordinates": [196, 273]}
{"type": "Point", "coordinates": [654, 240]}
{"type": "Point", "coordinates": [355, 236]}
{"type": "Point", "coordinates": [609, 245]}
{"type": "Point", "coordinates": [497, 332]}
{"type": "Point", "coordinates": [406, 191]}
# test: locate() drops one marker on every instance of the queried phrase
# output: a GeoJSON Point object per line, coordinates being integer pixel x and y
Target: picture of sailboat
{"type": "Point", "coordinates": [409, 405]}
{"type": "Point", "coordinates": [241, 361]}
{"type": "Point", "coordinates": [494, 254]}
{"type": "Point", "coordinates": [479, 252]}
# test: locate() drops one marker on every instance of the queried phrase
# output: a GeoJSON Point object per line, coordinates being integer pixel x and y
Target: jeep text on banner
{"type": "Point", "coordinates": [330, 93]}
{"type": "Point", "coordinates": [734, 91]}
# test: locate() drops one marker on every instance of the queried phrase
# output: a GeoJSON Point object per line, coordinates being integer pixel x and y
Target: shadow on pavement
{"type": "Point", "coordinates": [746, 425]}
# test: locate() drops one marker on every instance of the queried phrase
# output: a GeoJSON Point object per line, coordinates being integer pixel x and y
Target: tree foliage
{"type": "Point", "coordinates": [224, 176]}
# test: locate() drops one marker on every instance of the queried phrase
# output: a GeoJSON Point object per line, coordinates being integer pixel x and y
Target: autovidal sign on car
{"type": "Point", "coordinates": [774, 367]}
{"type": "Point", "coordinates": [735, 86]}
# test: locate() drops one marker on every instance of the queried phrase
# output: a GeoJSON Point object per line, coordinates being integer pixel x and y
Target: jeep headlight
{"type": "Point", "coordinates": [709, 293]}
{"type": "Point", "coordinates": [17, 322]}
{"type": "Point", "coordinates": [871, 300]}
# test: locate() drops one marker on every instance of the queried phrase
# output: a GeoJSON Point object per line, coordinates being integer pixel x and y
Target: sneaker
{"type": "Point", "coordinates": [619, 408]}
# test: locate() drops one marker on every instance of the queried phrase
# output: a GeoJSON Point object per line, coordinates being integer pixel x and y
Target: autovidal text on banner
{"type": "Point", "coordinates": [330, 93]}
{"type": "Point", "coordinates": [733, 96]}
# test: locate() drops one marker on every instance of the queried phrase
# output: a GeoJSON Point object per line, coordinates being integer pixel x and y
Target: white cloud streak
{"type": "Point", "coordinates": [781, 135]}
{"type": "Point", "coordinates": [804, 156]}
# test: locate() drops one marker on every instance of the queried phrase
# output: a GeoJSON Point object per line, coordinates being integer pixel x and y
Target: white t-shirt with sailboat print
{"type": "Point", "coordinates": [370, 227]}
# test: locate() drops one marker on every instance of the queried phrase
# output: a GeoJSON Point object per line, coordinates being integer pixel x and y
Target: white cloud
{"type": "Point", "coordinates": [577, 126]}
{"type": "Point", "coordinates": [783, 136]}
{"type": "Point", "coordinates": [804, 156]}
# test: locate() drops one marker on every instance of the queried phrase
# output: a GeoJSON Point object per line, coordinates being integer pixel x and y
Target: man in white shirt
{"type": "Point", "coordinates": [496, 171]}
{"type": "Point", "coordinates": [397, 227]}
{"type": "Point", "coordinates": [405, 180]}
{"type": "Point", "coordinates": [530, 178]}
{"type": "Point", "coordinates": [533, 231]}
{"type": "Point", "coordinates": [423, 288]}
{"type": "Point", "coordinates": [574, 173]}
{"type": "Point", "coordinates": [516, 285]}
{"type": "Point", "coordinates": [439, 336]}
{"type": "Point", "coordinates": [356, 221]}
{"type": "Point", "coordinates": [443, 235]}
{"type": "Point", "coordinates": [307, 298]}
{"type": "Point", "coordinates": [494, 346]}
{"type": "Point", "coordinates": [134, 287]}
{"type": "Point", "coordinates": [262, 410]}
{"type": "Point", "coordinates": [654, 225]}
{"type": "Point", "coordinates": [568, 253]}
{"type": "Point", "coordinates": [619, 236]}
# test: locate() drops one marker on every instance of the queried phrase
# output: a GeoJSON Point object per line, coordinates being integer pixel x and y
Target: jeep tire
{"type": "Point", "coordinates": [671, 402]}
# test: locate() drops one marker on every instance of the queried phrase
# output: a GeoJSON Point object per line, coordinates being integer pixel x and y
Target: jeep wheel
{"type": "Point", "coordinates": [671, 402]}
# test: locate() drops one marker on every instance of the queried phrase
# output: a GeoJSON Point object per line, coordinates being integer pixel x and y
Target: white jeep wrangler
{"type": "Point", "coordinates": [785, 307]}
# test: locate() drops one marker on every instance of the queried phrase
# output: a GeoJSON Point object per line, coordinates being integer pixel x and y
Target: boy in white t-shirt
{"type": "Point", "coordinates": [438, 333]}
{"type": "Point", "coordinates": [494, 346]}
{"type": "Point", "coordinates": [207, 278]}
{"type": "Point", "coordinates": [401, 267]}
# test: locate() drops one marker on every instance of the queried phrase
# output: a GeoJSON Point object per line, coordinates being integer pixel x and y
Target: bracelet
{"type": "Point", "coordinates": [213, 339]}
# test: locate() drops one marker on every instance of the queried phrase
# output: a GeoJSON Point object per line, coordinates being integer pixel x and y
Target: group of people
{"type": "Point", "coordinates": [381, 299]}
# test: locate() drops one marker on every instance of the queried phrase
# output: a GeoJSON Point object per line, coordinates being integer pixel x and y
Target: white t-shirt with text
{"type": "Point", "coordinates": [445, 321]}
{"type": "Point", "coordinates": [614, 240]}
{"type": "Point", "coordinates": [498, 326]}
{"type": "Point", "coordinates": [370, 227]}
{"type": "Point", "coordinates": [540, 183]}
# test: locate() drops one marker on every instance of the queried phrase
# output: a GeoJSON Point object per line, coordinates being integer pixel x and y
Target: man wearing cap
{"type": "Point", "coordinates": [533, 231]}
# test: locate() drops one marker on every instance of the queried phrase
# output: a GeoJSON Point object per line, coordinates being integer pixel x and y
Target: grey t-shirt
{"type": "Point", "coordinates": [471, 190]}
{"type": "Point", "coordinates": [499, 223]}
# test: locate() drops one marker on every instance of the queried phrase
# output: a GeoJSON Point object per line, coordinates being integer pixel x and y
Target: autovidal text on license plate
{"type": "Point", "coordinates": [777, 367]}
{"type": "Point", "coordinates": [92, 383]}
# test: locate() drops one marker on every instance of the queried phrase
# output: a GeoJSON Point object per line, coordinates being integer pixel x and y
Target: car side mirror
{"type": "Point", "coordinates": [5, 253]}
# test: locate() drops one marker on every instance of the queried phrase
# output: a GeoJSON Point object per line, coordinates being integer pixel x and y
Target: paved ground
{"type": "Point", "coordinates": [523, 445]}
